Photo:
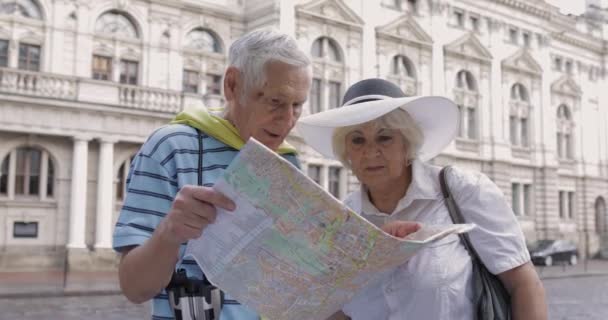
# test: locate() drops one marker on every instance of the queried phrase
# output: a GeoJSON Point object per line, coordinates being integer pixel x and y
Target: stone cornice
{"type": "Point", "coordinates": [581, 40]}
{"type": "Point", "coordinates": [536, 8]}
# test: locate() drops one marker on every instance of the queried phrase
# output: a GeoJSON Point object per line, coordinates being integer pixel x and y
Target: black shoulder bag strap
{"type": "Point", "coordinates": [455, 213]}
{"type": "Point", "coordinates": [491, 298]}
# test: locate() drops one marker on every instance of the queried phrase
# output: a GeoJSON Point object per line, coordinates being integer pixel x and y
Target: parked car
{"type": "Point", "coordinates": [549, 252]}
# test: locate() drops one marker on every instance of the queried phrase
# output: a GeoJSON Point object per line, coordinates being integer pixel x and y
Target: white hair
{"type": "Point", "coordinates": [397, 119]}
{"type": "Point", "coordinates": [253, 51]}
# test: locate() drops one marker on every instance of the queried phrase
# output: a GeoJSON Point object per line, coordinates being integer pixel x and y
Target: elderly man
{"type": "Point", "coordinates": [169, 198]}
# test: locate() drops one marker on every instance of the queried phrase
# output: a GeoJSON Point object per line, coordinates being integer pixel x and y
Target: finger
{"type": "Point", "coordinates": [213, 197]}
{"type": "Point", "coordinates": [197, 221]}
{"type": "Point", "coordinates": [202, 209]}
{"type": "Point", "coordinates": [405, 228]}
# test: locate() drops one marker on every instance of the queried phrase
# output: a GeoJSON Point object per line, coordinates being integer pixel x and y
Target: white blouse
{"type": "Point", "coordinates": [436, 282]}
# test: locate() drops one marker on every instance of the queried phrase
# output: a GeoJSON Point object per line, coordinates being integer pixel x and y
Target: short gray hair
{"type": "Point", "coordinates": [253, 51]}
{"type": "Point", "coordinates": [397, 119]}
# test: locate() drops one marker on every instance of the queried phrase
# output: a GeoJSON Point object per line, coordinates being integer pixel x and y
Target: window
{"type": "Point", "coordinates": [334, 94]}
{"type": "Point", "coordinates": [128, 71]}
{"type": "Point", "coordinates": [315, 96]}
{"type": "Point", "coordinates": [334, 181]}
{"type": "Point", "coordinates": [25, 229]}
{"type": "Point", "coordinates": [560, 150]}
{"type": "Point", "coordinates": [524, 132]}
{"type": "Point", "coordinates": [557, 63]}
{"type": "Point", "coordinates": [213, 84]}
{"type": "Point", "coordinates": [32, 166]}
{"type": "Point", "coordinates": [326, 48]}
{"type": "Point", "coordinates": [314, 172]}
{"type": "Point", "coordinates": [116, 24]}
{"type": "Point", "coordinates": [519, 93]}
{"type": "Point", "coordinates": [190, 81]}
{"type": "Point", "coordinates": [472, 127]}
{"type": "Point", "coordinates": [102, 68]}
{"type": "Point", "coordinates": [3, 53]}
{"type": "Point", "coordinates": [412, 6]}
{"type": "Point", "coordinates": [474, 23]}
{"type": "Point", "coordinates": [29, 57]}
{"type": "Point", "coordinates": [468, 113]}
{"type": "Point", "coordinates": [465, 80]}
{"type": "Point", "coordinates": [4, 177]}
{"type": "Point", "coordinates": [562, 204]}
{"type": "Point", "coordinates": [515, 200]}
{"type": "Point", "coordinates": [513, 35]}
{"type": "Point", "coordinates": [568, 146]}
{"type": "Point", "coordinates": [569, 67]}
{"type": "Point", "coordinates": [121, 179]}
{"type": "Point", "coordinates": [23, 8]}
{"type": "Point", "coordinates": [527, 41]}
{"type": "Point", "coordinates": [402, 66]}
{"type": "Point", "coordinates": [459, 18]}
{"type": "Point", "coordinates": [527, 209]}
{"type": "Point", "coordinates": [570, 205]}
{"type": "Point", "coordinates": [203, 39]}
{"type": "Point", "coordinates": [513, 130]}
{"type": "Point", "coordinates": [565, 147]}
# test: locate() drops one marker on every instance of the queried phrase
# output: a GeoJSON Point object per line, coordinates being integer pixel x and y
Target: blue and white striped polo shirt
{"type": "Point", "coordinates": [164, 164]}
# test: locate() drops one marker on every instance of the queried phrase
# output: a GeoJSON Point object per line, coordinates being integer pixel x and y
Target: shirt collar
{"type": "Point", "coordinates": [424, 186]}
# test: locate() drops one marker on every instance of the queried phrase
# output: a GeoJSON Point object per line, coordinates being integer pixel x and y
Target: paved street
{"type": "Point", "coordinates": [581, 298]}
{"type": "Point", "coordinates": [574, 293]}
{"type": "Point", "coordinates": [110, 307]}
{"type": "Point", "coordinates": [572, 298]}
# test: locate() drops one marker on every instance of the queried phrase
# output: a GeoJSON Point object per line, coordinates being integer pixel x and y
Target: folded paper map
{"type": "Point", "coordinates": [291, 250]}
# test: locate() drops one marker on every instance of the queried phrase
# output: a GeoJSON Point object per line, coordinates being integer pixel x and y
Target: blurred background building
{"type": "Point", "coordinates": [84, 82]}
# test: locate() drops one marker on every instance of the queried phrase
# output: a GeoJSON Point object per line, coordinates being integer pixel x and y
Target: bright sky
{"type": "Point", "coordinates": [569, 6]}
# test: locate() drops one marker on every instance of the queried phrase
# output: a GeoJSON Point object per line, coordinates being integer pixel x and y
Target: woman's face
{"type": "Point", "coordinates": [378, 155]}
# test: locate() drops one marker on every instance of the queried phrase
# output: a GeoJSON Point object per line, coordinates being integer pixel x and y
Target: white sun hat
{"type": "Point", "coordinates": [367, 100]}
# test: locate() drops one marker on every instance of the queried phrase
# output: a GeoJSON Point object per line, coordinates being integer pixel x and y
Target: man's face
{"type": "Point", "coordinates": [269, 112]}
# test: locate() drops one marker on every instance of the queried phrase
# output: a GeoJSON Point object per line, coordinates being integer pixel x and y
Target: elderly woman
{"type": "Point", "coordinates": [384, 138]}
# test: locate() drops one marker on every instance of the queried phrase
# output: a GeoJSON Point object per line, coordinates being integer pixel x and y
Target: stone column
{"type": "Point", "coordinates": [103, 230]}
{"type": "Point", "coordinates": [78, 194]}
{"type": "Point", "coordinates": [12, 173]}
{"type": "Point", "coordinates": [44, 169]}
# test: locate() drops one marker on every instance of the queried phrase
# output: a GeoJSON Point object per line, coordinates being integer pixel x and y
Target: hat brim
{"type": "Point", "coordinates": [437, 117]}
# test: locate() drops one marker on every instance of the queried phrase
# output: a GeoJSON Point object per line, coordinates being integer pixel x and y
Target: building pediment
{"type": "Point", "coordinates": [405, 28]}
{"type": "Point", "coordinates": [566, 85]}
{"type": "Point", "coordinates": [469, 46]}
{"type": "Point", "coordinates": [523, 61]}
{"type": "Point", "coordinates": [335, 10]}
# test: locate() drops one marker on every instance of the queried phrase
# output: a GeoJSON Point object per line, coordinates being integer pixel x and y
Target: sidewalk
{"type": "Point", "coordinates": [592, 267]}
{"type": "Point", "coordinates": [52, 283]}
{"type": "Point", "coordinates": [55, 283]}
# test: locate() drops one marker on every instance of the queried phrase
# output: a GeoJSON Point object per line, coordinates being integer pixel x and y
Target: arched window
{"type": "Point", "coordinates": [403, 74]}
{"type": "Point", "coordinates": [326, 48]}
{"type": "Point", "coordinates": [403, 67]}
{"type": "Point", "coordinates": [601, 216]}
{"type": "Point", "coordinates": [465, 81]}
{"type": "Point", "coordinates": [519, 126]}
{"type": "Point", "coordinates": [467, 100]}
{"type": "Point", "coordinates": [25, 8]}
{"type": "Point", "coordinates": [116, 23]}
{"type": "Point", "coordinates": [27, 171]}
{"type": "Point", "coordinates": [326, 91]}
{"type": "Point", "coordinates": [121, 178]}
{"type": "Point", "coordinates": [565, 128]}
{"type": "Point", "coordinates": [203, 39]}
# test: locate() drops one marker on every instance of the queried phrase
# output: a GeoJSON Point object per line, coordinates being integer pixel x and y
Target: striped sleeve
{"type": "Point", "coordinates": [150, 193]}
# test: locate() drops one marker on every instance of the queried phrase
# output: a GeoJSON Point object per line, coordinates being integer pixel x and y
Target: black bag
{"type": "Point", "coordinates": [491, 298]}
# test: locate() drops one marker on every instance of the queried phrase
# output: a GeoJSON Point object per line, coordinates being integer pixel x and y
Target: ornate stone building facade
{"type": "Point", "coordinates": [83, 83]}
